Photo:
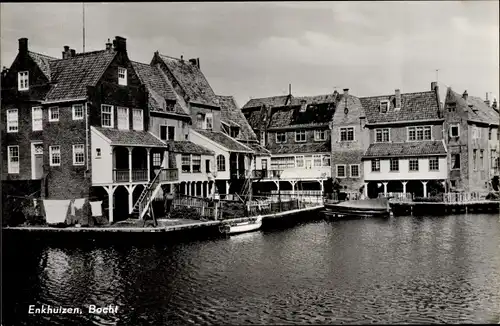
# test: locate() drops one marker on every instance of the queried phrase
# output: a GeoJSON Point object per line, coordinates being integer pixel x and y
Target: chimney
{"type": "Point", "coordinates": [398, 99]}
{"type": "Point", "coordinates": [66, 53]}
{"type": "Point", "coordinates": [487, 102]}
{"type": "Point", "coordinates": [346, 91]}
{"type": "Point", "coordinates": [433, 85]}
{"type": "Point", "coordinates": [182, 57]}
{"type": "Point", "coordinates": [73, 53]}
{"type": "Point", "coordinates": [465, 95]}
{"type": "Point", "coordinates": [120, 44]}
{"type": "Point", "coordinates": [23, 45]}
{"type": "Point", "coordinates": [195, 62]}
{"type": "Point", "coordinates": [494, 105]}
{"type": "Point", "coordinates": [109, 46]}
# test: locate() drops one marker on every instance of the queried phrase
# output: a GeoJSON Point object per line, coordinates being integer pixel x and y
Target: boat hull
{"type": "Point", "coordinates": [243, 226]}
{"type": "Point", "coordinates": [358, 209]}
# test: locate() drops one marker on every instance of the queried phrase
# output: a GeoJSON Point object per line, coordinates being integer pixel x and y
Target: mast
{"type": "Point", "coordinates": [83, 12]}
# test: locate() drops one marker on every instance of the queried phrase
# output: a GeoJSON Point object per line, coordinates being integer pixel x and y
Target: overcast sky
{"type": "Point", "coordinates": [256, 49]}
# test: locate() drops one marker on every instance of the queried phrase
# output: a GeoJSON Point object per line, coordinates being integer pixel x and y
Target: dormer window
{"type": "Point", "coordinates": [235, 132]}
{"type": "Point", "coordinates": [303, 106]}
{"type": "Point", "coordinates": [384, 106]}
{"type": "Point", "coordinates": [23, 81]}
{"type": "Point", "coordinates": [122, 76]}
{"type": "Point", "coordinates": [209, 121]}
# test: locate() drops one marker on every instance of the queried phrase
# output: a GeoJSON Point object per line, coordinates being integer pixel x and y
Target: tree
{"type": "Point", "coordinates": [495, 183]}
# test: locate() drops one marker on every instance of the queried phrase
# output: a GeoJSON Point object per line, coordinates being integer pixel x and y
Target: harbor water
{"type": "Point", "coordinates": [401, 270]}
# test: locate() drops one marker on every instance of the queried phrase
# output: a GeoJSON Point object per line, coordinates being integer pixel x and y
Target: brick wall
{"type": "Point", "coordinates": [290, 137]}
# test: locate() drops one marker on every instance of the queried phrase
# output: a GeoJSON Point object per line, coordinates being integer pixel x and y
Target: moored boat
{"type": "Point", "coordinates": [362, 208]}
{"type": "Point", "coordinates": [241, 227]}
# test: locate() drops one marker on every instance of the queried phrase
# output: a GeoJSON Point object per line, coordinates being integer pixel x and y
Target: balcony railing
{"type": "Point", "coordinates": [169, 175]}
{"type": "Point", "coordinates": [238, 174]}
{"type": "Point", "coordinates": [120, 175]}
{"type": "Point", "coordinates": [266, 174]}
{"type": "Point", "coordinates": [123, 175]}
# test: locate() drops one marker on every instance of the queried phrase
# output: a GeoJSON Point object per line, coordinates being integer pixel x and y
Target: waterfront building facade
{"type": "Point", "coordinates": [407, 151]}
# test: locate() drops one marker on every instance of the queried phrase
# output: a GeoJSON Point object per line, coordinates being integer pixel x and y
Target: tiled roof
{"type": "Point", "coordinates": [159, 90]}
{"type": "Point", "coordinates": [315, 114]}
{"type": "Point", "coordinates": [258, 148]}
{"type": "Point", "coordinates": [269, 101]}
{"type": "Point", "coordinates": [191, 80]}
{"type": "Point", "coordinates": [316, 99]}
{"type": "Point", "coordinates": [187, 147]}
{"type": "Point", "coordinates": [414, 106]}
{"type": "Point", "coordinates": [309, 147]}
{"type": "Point", "coordinates": [233, 116]}
{"type": "Point", "coordinates": [130, 137]}
{"type": "Point", "coordinates": [421, 148]}
{"type": "Point", "coordinates": [226, 141]}
{"type": "Point", "coordinates": [479, 111]}
{"type": "Point", "coordinates": [73, 75]}
{"type": "Point", "coordinates": [43, 62]}
{"type": "Point", "coordinates": [254, 118]}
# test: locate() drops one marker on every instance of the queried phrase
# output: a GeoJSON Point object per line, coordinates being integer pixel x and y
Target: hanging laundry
{"type": "Point", "coordinates": [56, 211]}
{"type": "Point", "coordinates": [79, 203]}
{"type": "Point", "coordinates": [96, 208]}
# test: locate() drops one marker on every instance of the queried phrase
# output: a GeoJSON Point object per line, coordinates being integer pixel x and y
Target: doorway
{"type": "Point", "coordinates": [37, 160]}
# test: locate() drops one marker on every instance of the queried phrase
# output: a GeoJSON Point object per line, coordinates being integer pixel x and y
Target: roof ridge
{"type": "Point", "coordinates": [44, 55]}
{"type": "Point", "coordinates": [411, 93]}
{"type": "Point", "coordinates": [170, 57]}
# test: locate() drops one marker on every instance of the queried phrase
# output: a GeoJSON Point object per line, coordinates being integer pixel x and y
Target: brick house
{"type": "Point", "coordinates": [350, 140]}
{"type": "Point", "coordinates": [407, 152]}
{"type": "Point", "coordinates": [296, 132]}
{"type": "Point", "coordinates": [81, 124]}
{"type": "Point", "coordinates": [471, 135]}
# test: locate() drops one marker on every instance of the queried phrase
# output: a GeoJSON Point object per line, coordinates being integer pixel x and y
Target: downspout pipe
{"type": "Point", "coordinates": [86, 138]}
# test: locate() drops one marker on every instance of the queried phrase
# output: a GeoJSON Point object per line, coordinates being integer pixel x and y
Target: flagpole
{"type": "Point", "coordinates": [83, 10]}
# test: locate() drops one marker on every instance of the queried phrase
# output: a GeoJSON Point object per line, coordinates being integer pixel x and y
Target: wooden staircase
{"type": "Point", "coordinates": [142, 204]}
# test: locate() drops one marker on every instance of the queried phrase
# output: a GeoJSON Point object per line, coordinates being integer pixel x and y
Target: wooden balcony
{"type": "Point", "coordinates": [123, 175]}
{"type": "Point", "coordinates": [266, 174]}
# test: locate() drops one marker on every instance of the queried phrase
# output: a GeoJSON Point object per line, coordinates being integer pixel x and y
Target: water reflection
{"type": "Point", "coordinates": [401, 270]}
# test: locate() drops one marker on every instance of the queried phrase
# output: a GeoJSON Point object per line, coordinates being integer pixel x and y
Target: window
{"type": "Point", "coordinates": [299, 161]}
{"type": "Point", "coordinates": [13, 163]}
{"type": "Point", "coordinates": [300, 136]}
{"type": "Point", "coordinates": [354, 170]}
{"type": "Point", "coordinates": [474, 159]}
{"type": "Point", "coordinates": [476, 132]}
{"type": "Point", "coordinates": [163, 132]}
{"type": "Point", "coordinates": [384, 106]}
{"type": "Point", "coordinates": [12, 120]}
{"type": "Point", "coordinates": [341, 171]}
{"type": "Point", "coordinates": [376, 165]}
{"type": "Point", "coordinates": [419, 133]}
{"type": "Point", "coordinates": [209, 121]}
{"type": "Point", "coordinates": [382, 135]}
{"type": "Point", "coordinates": [186, 163]}
{"type": "Point", "coordinates": [53, 114]}
{"type": "Point", "coordinates": [481, 159]}
{"type": "Point", "coordinates": [77, 111]}
{"type": "Point", "coordinates": [347, 134]}
{"type": "Point", "coordinates": [196, 163]}
{"type": "Point", "coordinates": [413, 164]}
{"type": "Point", "coordinates": [235, 131]}
{"type": "Point", "coordinates": [493, 158]}
{"type": "Point", "coordinates": [107, 119]}
{"type": "Point", "coordinates": [326, 160]}
{"type": "Point", "coordinates": [37, 118]}
{"type": "Point", "coordinates": [171, 133]}
{"type": "Point", "coordinates": [394, 164]}
{"type": "Point", "coordinates": [489, 134]}
{"type": "Point", "coordinates": [123, 121]}
{"type": "Point", "coordinates": [137, 119]}
{"type": "Point", "coordinates": [221, 163]}
{"type": "Point", "coordinates": [23, 81]}
{"type": "Point", "coordinates": [122, 76]}
{"type": "Point", "coordinates": [262, 138]}
{"type": "Point", "coordinates": [280, 137]}
{"type": "Point", "coordinates": [279, 163]}
{"type": "Point", "coordinates": [433, 164]}
{"type": "Point", "coordinates": [454, 130]}
{"type": "Point", "coordinates": [78, 154]}
{"type": "Point", "coordinates": [317, 160]}
{"type": "Point", "coordinates": [55, 155]}
{"type": "Point", "coordinates": [97, 153]}
{"type": "Point", "coordinates": [319, 135]}
{"type": "Point", "coordinates": [156, 159]}
{"type": "Point", "coordinates": [455, 161]}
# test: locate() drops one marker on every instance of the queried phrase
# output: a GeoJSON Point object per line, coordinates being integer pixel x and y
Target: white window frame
{"type": "Point", "coordinates": [209, 117]}
{"type": "Point", "coordinates": [350, 171]}
{"type": "Point", "coordinates": [78, 149]}
{"type": "Point", "coordinates": [390, 164]}
{"type": "Point", "coordinates": [300, 158]}
{"type": "Point", "coordinates": [51, 155]}
{"type": "Point", "coordinates": [54, 109]}
{"type": "Point", "coordinates": [318, 133]}
{"type": "Point", "coordinates": [299, 133]}
{"type": "Point", "coordinates": [111, 114]}
{"type": "Point", "coordinates": [327, 158]}
{"type": "Point", "coordinates": [382, 130]}
{"type": "Point", "coordinates": [12, 124]}
{"type": "Point", "coordinates": [337, 171]}
{"type": "Point", "coordinates": [409, 164]}
{"type": "Point", "coordinates": [371, 164]}
{"type": "Point", "coordinates": [221, 163]}
{"type": "Point", "coordinates": [347, 129]}
{"type": "Point", "coordinates": [182, 163]}
{"type": "Point", "coordinates": [437, 160]}
{"type": "Point", "coordinates": [122, 80]}
{"type": "Point", "coordinates": [127, 116]}
{"type": "Point", "coordinates": [318, 157]}
{"type": "Point", "coordinates": [98, 153]}
{"type": "Point", "coordinates": [74, 108]}
{"type": "Point", "coordinates": [156, 159]}
{"type": "Point", "coordinates": [416, 130]}
{"type": "Point", "coordinates": [384, 102]}
{"type": "Point", "coordinates": [280, 142]}
{"type": "Point", "coordinates": [23, 78]}
{"type": "Point", "coordinates": [11, 166]}
{"type": "Point", "coordinates": [196, 157]}
{"type": "Point", "coordinates": [458, 129]}
{"type": "Point", "coordinates": [36, 122]}
{"type": "Point", "coordinates": [168, 132]}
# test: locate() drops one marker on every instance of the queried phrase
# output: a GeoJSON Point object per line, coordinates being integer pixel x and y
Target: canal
{"type": "Point", "coordinates": [402, 270]}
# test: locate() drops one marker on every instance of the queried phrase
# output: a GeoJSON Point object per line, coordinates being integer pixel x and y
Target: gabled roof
{"type": "Point", "coordinates": [414, 106]}
{"type": "Point", "coordinates": [234, 117]}
{"type": "Point", "coordinates": [254, 118]}
{"type": "Point", "coordinates": [476, 109]}
{"type": "Point", "coordinates": [187, 147]}
{"type": "Point", "coordinates": [224, 140]}
{"type": "Point", "coordinates": [159, 90]}
{"type": "Point", "coordinates": [43, 62]}
{"type": "Point", "coordinates": [72, 76]}
{"type": "Point", "coordinates": [268, 101]}
{"type": "Point", "coordinates": [191, 80]}
{"type": "Point", "coordinates": [316, 99]}
{"type": "Point", "coordinates": [130, 137]}
{"type": "Point", "coordinates": [421, 148]}
{"type": "Point", "coordinates": [291, 116]}
{"type": "Point", "coordinates": [258, 148]}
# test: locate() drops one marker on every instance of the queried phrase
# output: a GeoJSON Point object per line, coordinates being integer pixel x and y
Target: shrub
{"type": "Point", "coordinates": [233, 210]}
{"type": "Point", "coordinates": [185, 212]}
